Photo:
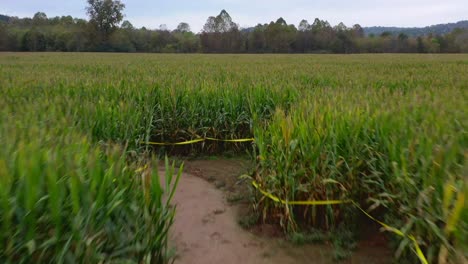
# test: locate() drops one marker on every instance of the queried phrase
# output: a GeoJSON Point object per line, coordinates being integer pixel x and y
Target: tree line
{"type": "Point", "coordinates": [105, 31]}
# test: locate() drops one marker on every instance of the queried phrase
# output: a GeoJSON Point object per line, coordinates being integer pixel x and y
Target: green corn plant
{"type": "Point", "coordinates": [387, 131]}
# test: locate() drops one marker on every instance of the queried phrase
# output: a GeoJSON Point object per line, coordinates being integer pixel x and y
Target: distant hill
{"type": "Point", "coordinates": [4, 18]}
{"type": "Point", "coordinates": [438, 29]}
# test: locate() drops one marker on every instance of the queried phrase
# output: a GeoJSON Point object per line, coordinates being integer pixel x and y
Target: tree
{"type": "Point", "coordinates": [281, 22]}
{"type": "Point", "coordinates": [220, 24]}
{"type": "Point", "coordinates": [221, 34]}
{"type": "Point", "coordinates": [163, 27]}
{"type": "Point", "coordinates": [183, 27]}
{"type": "Point", "coordinates": [434, 45]}
{"type": "Point", "coordinates": [126, 25]}
{"type": "Point", "coordinates": [3, 37]}
{"type": "Point", "coordinates": [323, 35]}
{"type": "Point", "coordinates": [39, 18]}
{"type": "Point", "coordinates": [105, 15]}
{"type": "Point", "coordinates": [461, 40]}
{"type": "Point", "coordinates": [33, 40]}
{"type": "Point", "coordinates": [358, 31]}
{"type": "Point", "coordinates": [304, 25]}
{"type": "Point", "coordinates": [280, 36]}
{"type": "Point", "coordinates": [224, 22]}
{"type": "Point", "coordinates": [402, 37]}
{"type": "Point", "coordinates": [121, 42]}
{"type": "Point", "coordinates": [341, 27]}
{"type": "Point", "coordinates": [319, 25]}
{"type": "Point", "coordinates": [210, 25]}
{"type": "Point", "coordinates": [256, 39]}
{"type": "Point", "coordinates": [386, 34]}
{"type": "Point", "coordinates": [420, 45]}
{"type": "Point", "coordinates": [67, 20]}
{"type": "Point", "coordinates": [304, 41]}
{"type": "Point", "coordinates": [184, 40]}
{"type": "Point", "coordinates": [403, 45]}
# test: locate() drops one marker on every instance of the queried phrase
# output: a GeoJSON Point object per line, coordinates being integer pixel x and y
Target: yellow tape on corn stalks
{"type": "Point", "coordinates": [417, 250]}
{"type": "Point", "coordinates": [231, 140]}
{"type": "Point", "coordinates": [193, 141]}
{"type": "Point", "coordinates": [313, 202]}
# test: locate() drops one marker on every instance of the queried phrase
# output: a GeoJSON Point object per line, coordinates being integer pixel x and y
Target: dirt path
{"type": "Point", "coordinates": [206, 228]}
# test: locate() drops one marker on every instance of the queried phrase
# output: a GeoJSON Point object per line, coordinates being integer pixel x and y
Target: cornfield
{"type": "Point", "coordinates": [79, 184]}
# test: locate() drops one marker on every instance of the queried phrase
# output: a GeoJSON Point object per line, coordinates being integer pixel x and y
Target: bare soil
{"type": "Point", "coordinates": [211, 200]}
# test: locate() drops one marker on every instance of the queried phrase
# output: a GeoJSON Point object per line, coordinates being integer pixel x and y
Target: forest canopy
{"type": "Point", "coordinates": [106, 30]}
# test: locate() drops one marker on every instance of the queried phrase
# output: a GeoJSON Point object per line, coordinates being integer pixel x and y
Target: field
{"type": "Point", "coordinates": [79, 183]}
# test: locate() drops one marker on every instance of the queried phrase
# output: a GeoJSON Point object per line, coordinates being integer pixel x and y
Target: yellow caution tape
{"type": "Point", "coordinates": [313, 202]}
{"type": "Point", "coordinates": [417, 249]}
{"type": "Point", "coordinates": [193, 141]}
{"type": "Point", "coordinates": [231, 140]}
{"type": "Point", "coordinates": [140, 169]}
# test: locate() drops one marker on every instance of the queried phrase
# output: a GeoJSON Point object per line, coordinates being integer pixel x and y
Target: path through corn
{"type": "Point", "coordinates": [206, 228]}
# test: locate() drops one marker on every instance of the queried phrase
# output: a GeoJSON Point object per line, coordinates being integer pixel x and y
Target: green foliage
{"type": "Point", "coordinates": [309, 237]}
{"type": "Point", "coordinates": [386, 131]}
{"type": "Point", "coordinates": [220, 34]}
{"type": "Point", "coordinates": [105, 15]}
{"type": "Point", "coordinates": [397, 146]}
{"type": "Point", "coordinates": [67, 193]}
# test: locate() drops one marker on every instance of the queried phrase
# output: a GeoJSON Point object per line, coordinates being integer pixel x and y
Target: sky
{"type": "Point", "coordinates": [152, 13]}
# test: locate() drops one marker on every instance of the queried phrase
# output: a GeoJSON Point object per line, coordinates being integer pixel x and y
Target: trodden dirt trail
{"type": "Point", "coordinates": [206, 228]}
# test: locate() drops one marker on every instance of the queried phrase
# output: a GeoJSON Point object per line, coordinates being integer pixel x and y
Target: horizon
{"type": "Point", "coordinates": [417, 14]}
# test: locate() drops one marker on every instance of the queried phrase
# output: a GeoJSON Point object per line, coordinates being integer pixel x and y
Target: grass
{"type": "Point", "coordinates": [388, 131]}
{"type": "Point", "coordinates": [309, 237]}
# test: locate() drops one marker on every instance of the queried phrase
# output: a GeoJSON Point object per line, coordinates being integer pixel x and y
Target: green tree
{"type": "Point", "coordinates": [341, 27]}
{"type": "Point", "coordinates": [220, 24]}
{"type": "Point", "coordinates": [280, 36]}
{"type": "Point", "coordinates": [434, 45]}
{"type": "Point", "coordinates": [3, 36]}
{"type": "Point", "coordinates": [120, 41]}
{"type": "Point", "coordinates": [105, 15]}
{"type": "Point", "coordinates": [221, 34]}
{"type": "Point", "coordinates": [183, 27]}
{"type": "Point", "coordinates": [403, 45]}
{"type": "Point", "coordinates": [322, 35]}
{"type": "Point", "coordinates": [358, 31]}
{"type": "Point", "coordinates": [304, 37]}
{"type": "Point", "coordinates": [126, 25]}
{"type": "Point", "coordinates": [420, 45]}
{"type": "Point", "coordinates": [33, 40]}
{"type": "Point", "coordinates": [256, 39]}
{"type": "Point", "coordinates": [319, 25]}
{"type": "Point", "coordinates": [39, 19]}
{"type": "Point", "coordinates": [304, 25]}
{"type": "Point", "coordinates": [67, 20]}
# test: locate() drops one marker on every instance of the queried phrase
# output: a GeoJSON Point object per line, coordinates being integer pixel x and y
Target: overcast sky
{"type": "Point", "coordinates": [152, 13]}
